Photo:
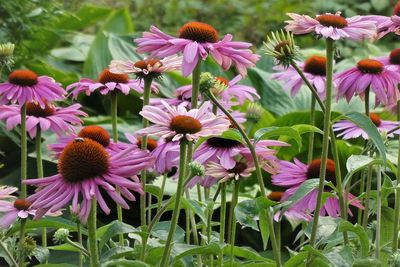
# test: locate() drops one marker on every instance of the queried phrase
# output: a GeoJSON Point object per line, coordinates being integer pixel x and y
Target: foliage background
{"type": "Point", "coordinates": [72, 39]}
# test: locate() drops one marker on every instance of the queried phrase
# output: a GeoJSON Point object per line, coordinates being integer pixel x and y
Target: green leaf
{"type": "Point", "coordinates": [263, 204]}
{"type": "Point", "coordinates": [115, 253]}
{"type": "Point", "coordinates": [360, 232]}
{"type": "Point", "coordinates": [356, 163]}
{"type": "Point", "coordinates": [161, 230]}
{"type": "Point", "coordinates": [367, 263]}
{"type": "Point", "coordinates": [246, 213]}
{"type": "Point", "coordinates": [122, 47]}
{"type": "Point", "coordinates": [195, 207]}
{"type": "Point", "coordinates": [210, 249]}
{"type": "Point", "coordinates": [56, 265]}
{"type": "Point", "coordinates": [48, 222]}
{"type": "Point", "coordinates": [64, 247]}
{"type": "Point", "coordinates": [303, 190]}
{"type": "Point", "coordinates": [125, 263]}
{"type": "Point", "coordinates": [115, 228]}
{"type": "Point", "coordinates": [366, 124]}
{"type": "Point", "coordinates": [243, 252]}
{"type": "Point", "coordinates": [232, 134]}
{"type": "Point", "coordinates": [41, 254]}
{"type": "Point", "coordinates": [273, 131]}
{"type": "Point", "coordinates": [306, 128]}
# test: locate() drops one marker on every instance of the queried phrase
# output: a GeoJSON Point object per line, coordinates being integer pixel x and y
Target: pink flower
{"type": "Point", "coordinates": [196, 41]}
{"type": "Point", "coordinates": [238, 92]}
{"type": "Point", "coordinates": [293, 214]}
{"type": "Point", "coordinates": [149, 67]}
{"type": "Point", "coordinates": [221, 174]}
{"type": "Point", "coordinates": [85, 171]}
{"type": "Point", "coordinates": [107, 82]}
{"type": "Point", "coordinates": [57, 119]}
{"type": "Point", "coordinates": [369, 73]}
{"type": "Point", "coordinates": [392, 61]}
{"type": "Point", "coordinates": [314, 68]}
{"type": "Point", "coordinates": [176, 123]}
{"type": "Point", "coordinates": [292, 175]}
{"type": "Point", "coordinates": [332, 26]}
{"type": "Point", "coordinates": [25, 86]}
{"type": "Point", "coordinates": [349, 129]}
{"type": "Point", "coordinates": [6, 191]}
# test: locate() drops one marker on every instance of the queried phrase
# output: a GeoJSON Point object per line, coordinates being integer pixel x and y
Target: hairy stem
{"type": "Point", "coordinates": [222, 222]}
{"type": "Point", "coordinates": [234, 201]}
{"type": "Point", "coordinates": [24, 156]}
{"type": "Point", "coordinates": [94, 252]}
{"type": "Point", "coordinates": [395, 242]}
{"type": "Point", "coordinates": [378, 211]}
{"type": "Point", "coordinates": [80, 241]}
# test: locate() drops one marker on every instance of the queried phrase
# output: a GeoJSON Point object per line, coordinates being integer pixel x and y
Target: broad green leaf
{"type": "Point", "coordinates": [303, 190]}
{"type": "Point", "coordinates": [366, 124]}
{"type": "Point", "coordinates": [56, 265]}
{"type": "Point", "coordinates": [356, 163]}
{"type": "Point", "coordinates": [243, 252]}
{"type": "Point", "coordinates": [115, 253]}
{"type": "Point", "coordinates": [273, 131]}
{"type": "Point", "coordinates": [116, 228]}
{"type": "Point", "coordinates": [306, 128]}
{"type": "Point", "coordinates": [232, 134]}
{"type": "Point", "coordinates": [359, 231]}
{"type": "Point", "coordinates": [195, 207]}
{"type": "Point", "coordinates": [125, 263]}
{"type": "Point", "coordinates": [367, 263]}
{"type": "Point", "coordinates": [154, 190]}
{"type": "Point", "coordinates": [48, 222]}
{"type": "Point", "coordinates": [246, 213]}
{"type": "Point", "coordinates": [41, 254]}
{"type": "Point", "coordinates": [340, 256]}
{"type": "Point", "coordinates": [386, 232]}
{"type": "Point", "coordinates": [263, 205]}
{"type": "Point", "coordinates": [64, 247]}
{"type": "Point", "coordinates": [122, 48]}
{"type": "Point", "coordinates": [161, 230]}
{"type": "Point", "coordinates": [210, 249]}
{"type": "Point", "coordinates": [300, 258]}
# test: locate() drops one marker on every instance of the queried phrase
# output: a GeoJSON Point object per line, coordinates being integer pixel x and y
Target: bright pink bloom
{"type": "Point", "coordinates": [59, 120]}
{"type": "Point", "coordinates": [238, 92]}
{"type": "Point", "coordinates": [369, 73]}
{"type": "Point", "coordinates": [332, 26]}
{"type": "Point", "coordinates": [85, 169]}
{"type": "Point", "coordinates": [25, 86]}
{"type": "Point", "coordinates": [196, 41]}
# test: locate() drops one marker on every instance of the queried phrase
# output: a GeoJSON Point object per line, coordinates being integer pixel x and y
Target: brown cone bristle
{"type": "Point", "coordinates": [96, 133]}
{"type": "Point", "coordinates": [82, 159]}
{"type": "Point", "coordinates": [370, 66]}
{"type": "Point", "coordinates": [315, 65]}
{"type": "Point", "coordinates": [275, 196]}
{"type": "Point", "coordinates": [239, 168]}
{"type": "Point", "coordinates": [396, 9]}
{"type": "Point", "coordinates": [219, 142]}
{"type": "Point", "coordinates": [284, 45]}
{"type": "Point", "coordinates": [314, 168]}
{"type": "Point", "coordinates": [23, 78]}
{"type": "Point", "coordinates": [394, 57]}
{"type": "Point", "coordinates": [332, 20]}
{"type": "Point", "coordinates": [142, 64]}
{"type": "Point", "coordinates": [183, 124]}
{"type": "Point", "coordinates": [199, 32]}
{"type": "Point", "coordinates": [222, 80]}
{"type": "Point", "coordinates": [106, 76]}
{"type": "Point", "coordinates": [34, 109]}
{"type": "Point", "coordinates": [151, 143]}
{"type": "Point", "coordinates": [22, 204]}
{"type": "Point", "coordinates": [375, 119]}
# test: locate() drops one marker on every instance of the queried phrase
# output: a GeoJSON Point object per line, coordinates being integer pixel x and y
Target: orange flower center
{"type": "Point", "coordinates": [239, 168]}
{"type": "Point", "coordinates": [315, 65]}
{"type": "Point", "coordinates": [222, 80]}
{"type": "Point", "coordinates": [375, 119]}
{"type": "Point", "coordinates": [275, 196]}
{"type": "Point", "coordinates": [34, 109]}
{"type": "Point", "coordinates": [199, 32]}
{"type": "Point", "coordinates": [151, 143]}
{"type": "Point", "coordinates": [394, 57]}
{"type": "Point", "coordinates": [95, 133]}
{"type": "Point", "coordinates": [106, 76]}
{"type": "Point", "coordinates": [142, 64]}
{"type": "Point", "coordinates": [396, 9]}
{"type": "Point", "coordinates": [330, 20]}
{"type": "Point", "coordinates": [219, 142]}
{"type": "Point", "coordinates": [370, 66]}
{"type": "Point", "coordinates": [314, 169]}
{"type": "Point", "coordinates": [22, 204]}
{"type": "Point", "coordinates": [183, 124]}
{"type": "Point", "coordinates": [23, 77]}
{"type": "Point", "coordinates": [82, 159]}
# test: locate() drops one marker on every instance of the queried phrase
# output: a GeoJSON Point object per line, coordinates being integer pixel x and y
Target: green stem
{"type": "Point", "coordinates": [78, 246]}
{"type": "Point", "coordinates": [192, 220]}
{"type": "Point", "coordinates": [325, 140]}
{"type": "Point", "coordinates": [234, 201]}
{"type": "Point", "coordinates": [8, 253]}
{"type": "Point", "coordinates": [311, 137]}
{"type": "Point", "coordinates": [39, 167]}
{"type": "Point", "coordinates": [395, 242]}
{"type": "Point", "coordinates": [362, 185]}
{"type": "Point", "coordinates": [80, 241]}
{"type": "Point", "coordinates": [187, 222]}
{"type": "Point", "coordinates": [143, 175]}
{"type": "Point", "coordinates": [177, 205]}
{"type": "Point", "coordinates": [24, 156]}
{"type": "Point", "coordinates": [94, 252]}
{"type": "Point", "coordinates": [378, 212]}
{"type": "Point", "coordinates": [369, 173]}
{"type": "Point", "coordinates": [21, 257]}
{"type": "Point", "coordinates": [164, 180]}
{"type": "Point", "coordinates": [114, 122]}
{"type": "Point", "coordinates": [222, 222]}
{"type": "Point", "coordinates": [260, 180]}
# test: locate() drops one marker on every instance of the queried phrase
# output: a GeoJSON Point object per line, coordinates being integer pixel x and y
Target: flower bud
{"type": "Point", "coordinates": [196, 168]}
{"type": "Point", "coordinates": [61, 235]}
{"type": "Point", "coordinates": [282, 47]}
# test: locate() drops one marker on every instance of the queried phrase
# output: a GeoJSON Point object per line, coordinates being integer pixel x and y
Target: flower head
{"type": "Point", "coordinates": [254, 111]}
{"type": "Point", "coordinates": [24, 86]}
{"type": "Point", "coordinates": [314, 69]}
{"type": "Point", "coordinates": [369, 73]}
{"type": "Point", "coordinates": [107, 82]}
{"type": "Point", "coordinates": [59, 120]}
{"type": "Point", "coordinates": [332, 26]}
{"type": "Point", "coordinates": [177, 123]}
{"type": "Point", "coordinates": [348, 129]}
{"type": "Point", "coordinates": [6, 53]}
{"type": "Point", "coordinates": [19, 208]}
{"type": "Point", "coordinates": [282, 47]}
{"type": "Point", "coordinates": [241, 169]}
{"type": "Point", "coordinates": [84, 169]}
{"type": "Point", "coordinates": [150, 67]}
{"type": "Point", "coordinates": [196, 41]}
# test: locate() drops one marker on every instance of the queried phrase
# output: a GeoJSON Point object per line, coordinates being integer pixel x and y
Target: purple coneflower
{"type": "Point", "coordinates": [314, 68]}
{"type": "Point", "coordinates": [84, 168]}
{"type": "Point", "coordinates": [176, 123]}
{"type": "Point", "coordinates": [369, 74]}
{"type": "Point", "coordinates": [392, 61]}
{"type": "Point", "coordinates": [332, 26]}
{"type": "Point", "coordinates": [241, 169]}
{"type": "Point", "coordinates": [59, 120]}
{"type": "Point", "coordinates": [292, 175]}
{"type": "Point", "coordinates": [196, 41]}
{"type": "Point", "coordinates": [293, 214]}
{"type": "Point", "coordinates": [349, 129]}
{"type": "Point", "coordinates": [107, 82]}
{"type": "Point", "coordinates": [25, 86]}
{"type": "Point", "coordinates": [239, 92]}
